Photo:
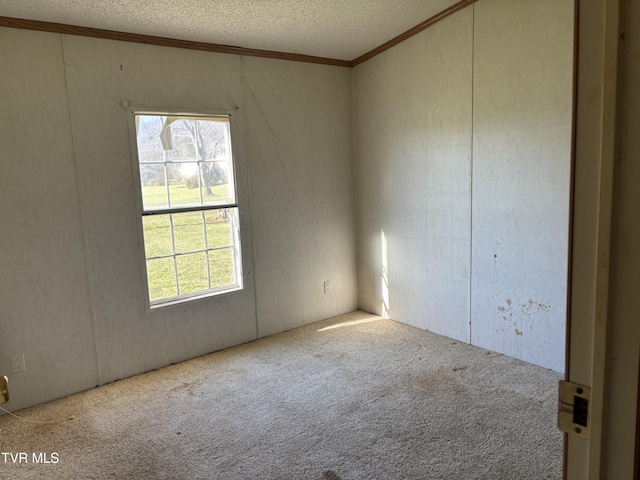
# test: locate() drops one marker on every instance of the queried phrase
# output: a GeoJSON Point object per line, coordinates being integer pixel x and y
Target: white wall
{"type": "Point", "coordinates": [522, 101]}
{"type": "Point", "coordinates": [130, 339]}
{"type": "Point", "coordinates": [45, 308]}
{"type": "Point", "coordinates": [463, 155]}
{"type": "Point", "coordinates": [299, 138]}
{"type": "Point", "coordinates": [71, 263]}
{"type": "Point", "coordinates": [413, 152]}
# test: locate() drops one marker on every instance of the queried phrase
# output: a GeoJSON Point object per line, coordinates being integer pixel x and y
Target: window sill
{"type": "Point", "coordinates": [187, 298]}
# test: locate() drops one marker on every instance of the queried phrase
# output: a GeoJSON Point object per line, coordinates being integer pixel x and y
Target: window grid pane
{"type": "Point", "coordinates": [195, 153]}
{"type": "Point", "coordinates": [157, 236]}
{"type": "Point", "coordinates": [189, 216]}
{"type": "Point", "coordinates": [192, 272]}
{"type": "Point", "coordinates": [187, 228]}
{"type": "Point", "coordinates": [162, 281]}
{"type": "Point", "coordinates": [221, 264]}
{"type": "Point", "coordinates": [173, 246]}
{"type": "Point", "coordinates": [206, 245]}
{"type": "Point", "coordinates": [220, 261]}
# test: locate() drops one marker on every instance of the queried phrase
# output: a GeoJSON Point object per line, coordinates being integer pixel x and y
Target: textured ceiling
{"type": "Point", "coordinates": [341, 29]}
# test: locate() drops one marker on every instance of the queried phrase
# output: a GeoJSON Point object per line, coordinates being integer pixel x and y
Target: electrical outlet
{"type": "Point", "coordinates": [327, 287]}
{"type": "Point", "coordinates": [17, 363]}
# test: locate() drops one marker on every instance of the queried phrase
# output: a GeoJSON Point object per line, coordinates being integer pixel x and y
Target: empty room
{"type": "Point", "coordinates": [318, 240]}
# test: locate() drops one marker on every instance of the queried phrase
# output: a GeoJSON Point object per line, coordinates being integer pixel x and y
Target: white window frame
{"type": "Point", "coordinates": [141, 212]}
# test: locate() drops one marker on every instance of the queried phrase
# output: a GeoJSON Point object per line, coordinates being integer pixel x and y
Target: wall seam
{"type": "Point", "coordinates": [356, 186]}
{"type": "Point", "coordinates": [254, 245]}
{"type": "Point", "coordinates": [83, 222]}
{"type": "Point", "coordinates": [473, 57]}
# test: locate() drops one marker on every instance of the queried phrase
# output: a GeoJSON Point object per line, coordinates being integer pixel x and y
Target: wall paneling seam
{"type": "Point", "coordinates": [83, 222]}
{"type": "Point", "coordinates": [254, 244]}
{"type": "Point", "coordinates": [473, 57]}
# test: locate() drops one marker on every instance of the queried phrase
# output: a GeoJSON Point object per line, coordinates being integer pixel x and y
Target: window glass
{"type": "Point", "coordinates": [189, 211]}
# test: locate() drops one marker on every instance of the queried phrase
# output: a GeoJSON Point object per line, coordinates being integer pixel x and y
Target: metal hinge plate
{"type": "Point", "coordinates": [573, 409]}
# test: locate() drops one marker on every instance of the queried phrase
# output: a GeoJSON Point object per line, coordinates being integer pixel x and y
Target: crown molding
{"type": "Point", "coordinates": [61, 28]}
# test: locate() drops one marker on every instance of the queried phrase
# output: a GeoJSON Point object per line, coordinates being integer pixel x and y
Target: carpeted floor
{"type": "Point", "coordinates": [353, 397]}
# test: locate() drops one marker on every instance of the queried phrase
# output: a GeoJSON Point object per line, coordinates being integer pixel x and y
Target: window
{"type": "Point", "coordinates": [190, 217]}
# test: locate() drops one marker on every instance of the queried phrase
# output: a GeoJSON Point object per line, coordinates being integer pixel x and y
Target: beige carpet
{"type": "Point", "coordinates": [353, 397]}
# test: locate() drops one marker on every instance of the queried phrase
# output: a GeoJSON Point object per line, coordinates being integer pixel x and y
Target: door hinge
{"type": "Point", "coordinates": [4, 389]}
{"type": "Point", "coordinates": [573, 408]}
